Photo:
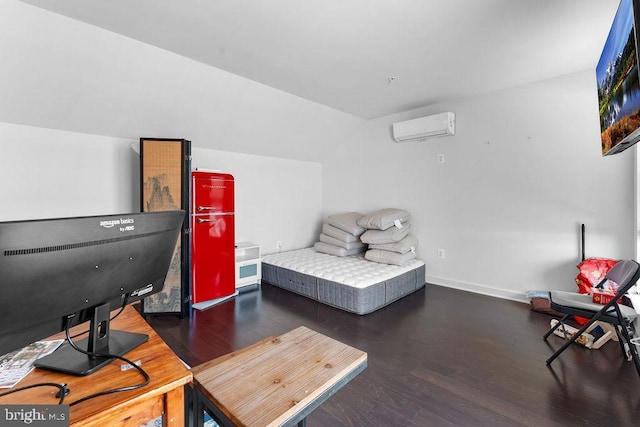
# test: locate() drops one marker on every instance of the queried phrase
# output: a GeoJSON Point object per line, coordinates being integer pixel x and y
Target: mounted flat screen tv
{"type": "Point", "coordinates": [618, 85]}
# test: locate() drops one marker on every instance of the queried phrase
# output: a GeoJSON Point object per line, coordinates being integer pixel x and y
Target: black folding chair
{"type": "Point", "coordinates": [624, 274]}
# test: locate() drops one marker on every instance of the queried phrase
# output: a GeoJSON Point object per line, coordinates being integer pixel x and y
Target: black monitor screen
{"type": "Point", "coordinates": [55, 272]}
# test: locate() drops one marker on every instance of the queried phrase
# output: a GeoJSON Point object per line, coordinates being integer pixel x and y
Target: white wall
{"type": "Point", "coordinates": [105, 91]}
{"type": "Point", "coordinates": [46, 173]}
{"type": "Point", "coordinates": [277, 200]}
{"type": "Point", "coordinates": [522, 172]}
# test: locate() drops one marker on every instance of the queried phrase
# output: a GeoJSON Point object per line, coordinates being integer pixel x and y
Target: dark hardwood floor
{"type": "Point", "coordinates": [438, 357]}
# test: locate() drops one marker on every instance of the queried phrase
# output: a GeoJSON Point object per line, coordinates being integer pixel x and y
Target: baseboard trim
{"type": "Point", "coordinates": [479, 289]}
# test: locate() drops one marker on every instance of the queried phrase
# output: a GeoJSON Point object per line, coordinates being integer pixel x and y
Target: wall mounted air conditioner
{"type": "Point", "coordinates": [425, 127]}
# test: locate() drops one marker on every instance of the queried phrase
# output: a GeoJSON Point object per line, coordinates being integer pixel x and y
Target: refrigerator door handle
{"type": "Point", "coordinates": [201, 220]}
{"type": "Point", "coordinates": [206, 208]}
{"type": "Point", "coordinates": [212, 218]}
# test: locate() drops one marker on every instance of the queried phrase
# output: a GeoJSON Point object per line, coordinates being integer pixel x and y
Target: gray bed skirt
{"type": "Point", "coordinates": [359, 300]}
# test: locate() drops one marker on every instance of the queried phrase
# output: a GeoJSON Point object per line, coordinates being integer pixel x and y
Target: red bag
{"type": "Point", "coordinates": [592, 271]}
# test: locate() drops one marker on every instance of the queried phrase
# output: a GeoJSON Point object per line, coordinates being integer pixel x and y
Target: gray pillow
{"type": "Point", "coordinates": [409, 243]}
{"type": "Point", "coordinates": [326, 248]}
{"type": "Point", "coordinates": [335, 242]}
{"type": "Point", "coordinates": [347, 222]}
{"type": "Point", "coordinates": [336, 233]}
{"type": "Point", "coordinates": [382, 237]}
{"type": "Point", "coordinates": [388, 257]}
{"type": "Point", "coordinates": [384, 218]}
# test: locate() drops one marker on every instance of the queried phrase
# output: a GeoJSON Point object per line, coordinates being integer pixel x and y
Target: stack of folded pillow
{"type": "Point", "coordinates": [341, 235]}
{"type": "Point", "coordinates": [388, 236]}
{"type": "Point", "coordinates": [386, 232]}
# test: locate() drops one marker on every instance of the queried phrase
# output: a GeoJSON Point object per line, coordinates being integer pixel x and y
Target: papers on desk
{"type": "Point", "coordinates": [16, 365]}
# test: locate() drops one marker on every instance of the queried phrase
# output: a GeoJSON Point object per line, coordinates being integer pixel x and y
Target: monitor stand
{"type": "Point", "coordinates": [101, 340]}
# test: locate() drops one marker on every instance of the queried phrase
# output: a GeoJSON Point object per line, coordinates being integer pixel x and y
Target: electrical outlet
{"type": "Point", "coordinates": [279, 245]}
{"type": "Point", "coordinates": [440, 158]}
{"type": "Point", "coordinates": [441, 253]}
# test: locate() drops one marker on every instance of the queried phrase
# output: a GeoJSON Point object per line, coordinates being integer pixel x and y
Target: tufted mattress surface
{"type": "Point", "coordinates": [354, 271]}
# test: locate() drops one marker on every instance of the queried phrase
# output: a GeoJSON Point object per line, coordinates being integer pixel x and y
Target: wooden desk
{"type": "Point", "coordinates": [163, 395]}
{"type": "Point", "coordinates": [277, 381]}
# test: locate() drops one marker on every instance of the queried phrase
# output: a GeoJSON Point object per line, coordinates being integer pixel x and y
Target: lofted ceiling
{"type": "Point", "coordinates": [368, 58]}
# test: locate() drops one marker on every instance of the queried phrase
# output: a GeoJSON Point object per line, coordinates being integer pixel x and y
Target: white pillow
{"type": "Point", "coordinates": [335, 242]}
{"type": "Point", "coordinates": [409, 243]}
{"type": "Point", "coordinates": [381, 237]}
{"type": "Point", "coordinates": [347, 222]}
{"type": "Point", "coordinates": [326, 248]}
{"type": "Point", "coordinates": [335, 232]}
{"type": "Point", "coordinates": [388, 257]}
{"type": "Point", "coordinates": [384, 218]}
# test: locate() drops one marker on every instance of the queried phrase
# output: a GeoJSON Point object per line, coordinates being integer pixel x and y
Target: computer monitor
{"type": "Point", "coordinates": [57, 273]}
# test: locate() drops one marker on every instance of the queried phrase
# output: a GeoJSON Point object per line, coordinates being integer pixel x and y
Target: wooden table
{"type": "Point", "coordinates": [277, 381]}
{"type": "Point", "coordinates": [163, 395]}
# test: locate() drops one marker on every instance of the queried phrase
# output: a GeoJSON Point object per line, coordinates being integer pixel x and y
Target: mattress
{"type": "Point", "coordinates": [350, 283]}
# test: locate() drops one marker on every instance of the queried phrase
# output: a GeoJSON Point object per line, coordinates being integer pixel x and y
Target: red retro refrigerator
{"type": "Point", "coordinates": [212, 238]}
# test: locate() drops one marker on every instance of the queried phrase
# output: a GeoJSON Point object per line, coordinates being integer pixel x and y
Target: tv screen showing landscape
{"type": "Point", "coordinates": [618, 86]}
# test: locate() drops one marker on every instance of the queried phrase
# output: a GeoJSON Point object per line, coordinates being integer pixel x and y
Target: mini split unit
{"type": "Point", "coordinates": [423, 128]}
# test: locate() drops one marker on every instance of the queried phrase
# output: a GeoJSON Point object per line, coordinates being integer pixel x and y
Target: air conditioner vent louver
{"type": "Point", "coordinates": [423, 128]}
